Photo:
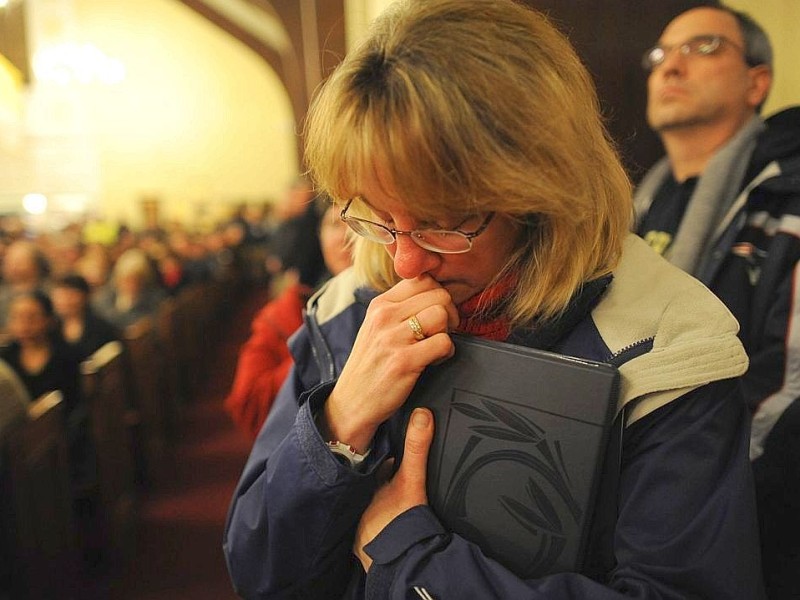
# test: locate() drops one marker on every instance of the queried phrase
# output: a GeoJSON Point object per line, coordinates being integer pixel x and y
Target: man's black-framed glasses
{"type": "Point", "coordinates": [700, 45]}
{"type": "Point", "coordinates": [443, 241]}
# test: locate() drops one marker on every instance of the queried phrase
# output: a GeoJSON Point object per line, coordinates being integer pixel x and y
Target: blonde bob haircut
{"type": "Point", "coordinates": [462, 107]}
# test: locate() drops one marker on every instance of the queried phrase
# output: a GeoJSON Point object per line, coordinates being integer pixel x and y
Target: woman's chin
{"type": "Point", "coordinates": [460, 292]}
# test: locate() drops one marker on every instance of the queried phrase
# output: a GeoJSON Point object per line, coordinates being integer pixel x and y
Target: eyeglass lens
{"type": "Point", "coordinates": [437, 240]}
{"type": "Point", "coordinates": [698, 46]}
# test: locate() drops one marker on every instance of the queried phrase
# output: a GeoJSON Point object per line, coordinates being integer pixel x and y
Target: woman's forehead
{"type": "Point", "coordinates": [417, 212]}
{"type": "Point", "coordinates": [384, 193]}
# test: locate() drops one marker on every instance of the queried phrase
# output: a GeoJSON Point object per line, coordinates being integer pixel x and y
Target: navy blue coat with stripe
{"type": "Point", "coordinates": [679, 521]}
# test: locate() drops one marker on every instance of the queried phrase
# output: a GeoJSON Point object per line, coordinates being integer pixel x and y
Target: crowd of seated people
{"type": "Point", "coordinates": [64, 296]}
{"type": "Point", "coordinates": [95, 290]}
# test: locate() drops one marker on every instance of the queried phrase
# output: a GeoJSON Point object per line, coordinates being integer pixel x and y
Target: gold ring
{"type": "Point", "coordinates": [416, 328]}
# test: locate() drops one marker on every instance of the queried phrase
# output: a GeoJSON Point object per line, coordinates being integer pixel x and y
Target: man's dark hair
{"type": "Point", "coordinates": [757, 47]}
{"type": "Point", "coordinates": [75, 282]}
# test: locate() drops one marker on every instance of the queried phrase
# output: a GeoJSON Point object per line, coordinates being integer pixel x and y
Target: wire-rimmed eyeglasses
{"type": "Point", "coordinates": [700, 45]}
{"type": "Point", "coordinates": [443, 241]}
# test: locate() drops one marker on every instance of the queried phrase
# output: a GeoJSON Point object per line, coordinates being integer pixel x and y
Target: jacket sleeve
{"type": "Point", "coordinates": [291, 525]}
{"type": "Point", "coordinates": [772, 338]}
{"type": "Point", "coordinates": [686, 525]}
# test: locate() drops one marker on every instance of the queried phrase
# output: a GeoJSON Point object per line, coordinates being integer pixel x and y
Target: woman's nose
{"type": "Point", "coordinates": [410, 260]}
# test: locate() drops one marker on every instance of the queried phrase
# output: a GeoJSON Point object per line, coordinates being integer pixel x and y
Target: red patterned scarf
{"type": "Point", "coordinates": [483, 315]}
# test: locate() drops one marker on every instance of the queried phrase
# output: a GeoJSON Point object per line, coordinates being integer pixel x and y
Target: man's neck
{"type": "Point", "coordinates": [691, 148]}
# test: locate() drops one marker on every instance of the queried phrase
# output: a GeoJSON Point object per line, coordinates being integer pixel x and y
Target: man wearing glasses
{"type": "Point", "coordinates": [724, 205]}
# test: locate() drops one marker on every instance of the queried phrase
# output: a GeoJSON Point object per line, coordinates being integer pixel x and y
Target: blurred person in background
{"type": "Point", "coordinates": [83, 330]}
{"type": "Point", "coordinates": [292, 248]}
{"type": "Point", "coordinates": [62, 250]}
{"type": "Point", "coordinates": [37, 351]}
{"type": "Point", "coordinates": [264, 360]}
{"type": "Point", "coordinates": [132, 293]}
{"type": "Point", "coordinates": [193, 256]}
{"type": "Point", "coordinates": [95, 267]}
{"type": "Point", "coordinates": [12, 228]}
{"type": "Point", "coordinates": [171, 272]}
{"type": "Point", "coordinates": [254, 219]}
{"type": "Point", "coordinates": [216, 253]}
{"type": "Point", "coordinates": [25, 268]}
{"type": "Point", "coordinates": [44, 363]}
{"type": "Point", "coordinates": [168, 266]}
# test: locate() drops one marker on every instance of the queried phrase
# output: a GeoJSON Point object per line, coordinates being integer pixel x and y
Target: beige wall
{"type": "Point", "coordinates": [199, 121]}
{"type": "Point", "coordinates": [780, 18]}
{"type": "Point", "coordinates": [359, 14]}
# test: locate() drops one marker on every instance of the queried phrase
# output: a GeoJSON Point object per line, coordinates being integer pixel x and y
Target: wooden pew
{"type": "Point", "coordinates": [194, 330]}
{"type": "Point", "coordinates": [145, 362]}
{"type": "Point", "coordinates": [106, 387]}
{"type": "Point", "coordinates": [197, 315]}
{"type": "Point", "coordinates": [38, 530]}
{"type": "Point", "coordinates": [192, 337]}
{"type": "Point", "coordinates": [169, 331]}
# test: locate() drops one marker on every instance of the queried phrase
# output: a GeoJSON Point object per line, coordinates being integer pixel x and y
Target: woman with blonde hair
{"type": "Point", "coordinates": [463, 143]}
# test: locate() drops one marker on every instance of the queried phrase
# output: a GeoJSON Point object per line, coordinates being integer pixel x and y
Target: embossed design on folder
{"type": "Point", "coordinates": [537, 503]}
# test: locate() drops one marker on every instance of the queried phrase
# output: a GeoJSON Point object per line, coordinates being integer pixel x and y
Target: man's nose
{"type": "Point", "coordinates": [674, 61]}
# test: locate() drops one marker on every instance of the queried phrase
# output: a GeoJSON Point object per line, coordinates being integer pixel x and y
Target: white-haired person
{"type": "Point", "coordinates": [463, 142]}
{"type": "Point", "coordinates": [132, 292]}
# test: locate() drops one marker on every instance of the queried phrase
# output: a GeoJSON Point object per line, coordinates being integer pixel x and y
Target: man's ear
{"type": "Point", "coordinates": [760, 83]}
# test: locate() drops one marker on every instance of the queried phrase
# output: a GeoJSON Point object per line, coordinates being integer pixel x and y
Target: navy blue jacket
{"type": "Point", "coordinates": [753, 266]}
{"type": "Point", "coordinates": [681, 520]}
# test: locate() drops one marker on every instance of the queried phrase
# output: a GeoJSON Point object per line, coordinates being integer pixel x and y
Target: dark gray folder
{"type": "Point", "coordinates": [519, 446]}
